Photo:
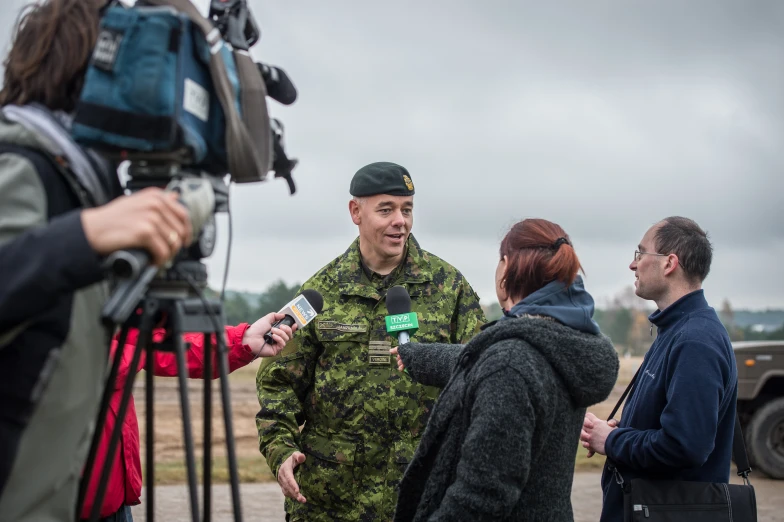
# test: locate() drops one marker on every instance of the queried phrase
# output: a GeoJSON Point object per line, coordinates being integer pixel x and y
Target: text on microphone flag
{"type": "Point", "coordinates": [302, 309]}
{"type": "Point", "coordinates": [402, 322]}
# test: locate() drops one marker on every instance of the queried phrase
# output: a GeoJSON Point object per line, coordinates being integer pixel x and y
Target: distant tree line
{"type": "Point", "coordinates": [624, 319]}
{"type": "Point", "coordinates": [748, 332]}
{"type": "Point", "coordinates": [248, 307]}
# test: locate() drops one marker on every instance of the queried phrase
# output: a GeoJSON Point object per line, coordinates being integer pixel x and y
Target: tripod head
{"type": "Point", "coordinates": [203, 195]}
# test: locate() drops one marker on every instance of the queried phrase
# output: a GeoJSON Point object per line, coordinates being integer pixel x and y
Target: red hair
{"type": "Point", "coordinates": [538, 252]}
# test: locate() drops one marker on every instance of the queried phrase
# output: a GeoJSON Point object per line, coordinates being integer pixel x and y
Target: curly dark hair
{"type": "Point", "coordinates": [52, 44]}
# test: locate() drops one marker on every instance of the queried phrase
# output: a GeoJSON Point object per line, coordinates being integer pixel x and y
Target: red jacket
{"type": "Point", "coordinates": [125, 480]}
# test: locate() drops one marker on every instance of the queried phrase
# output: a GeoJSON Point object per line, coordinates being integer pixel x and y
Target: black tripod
{"type": "Point", "coordinates": [177, 298]}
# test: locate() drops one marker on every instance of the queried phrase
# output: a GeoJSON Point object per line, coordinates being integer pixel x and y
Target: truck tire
{"type": "Point", "coordinates": [765, 440]}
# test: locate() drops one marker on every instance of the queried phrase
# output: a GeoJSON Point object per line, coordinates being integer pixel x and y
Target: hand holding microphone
{"type": "Point", "coordinates": [400, 366]}
{"type": "Point", "coordinates": [253, 337]}
{"type": "Point", "coordinates": [401, 320]}
{"type": "Point", "coordinates": [300, 311]}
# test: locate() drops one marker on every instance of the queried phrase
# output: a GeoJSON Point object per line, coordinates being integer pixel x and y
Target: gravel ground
{"type": "Point", "coordinates": [264, 502]}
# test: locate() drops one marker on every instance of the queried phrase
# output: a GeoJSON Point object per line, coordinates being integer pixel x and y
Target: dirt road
{"type": "Point", "coordinates": [264, 502]}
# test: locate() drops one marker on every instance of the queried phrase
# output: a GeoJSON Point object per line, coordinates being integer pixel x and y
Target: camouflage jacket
{"type": "Point", "coordinates": [362, 417]}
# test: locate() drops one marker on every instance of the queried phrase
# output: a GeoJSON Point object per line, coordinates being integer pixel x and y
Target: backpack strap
{"type": "Point", "coordinates": [51, 174]}
{"type": "Point", "coordinates": [54, 177]}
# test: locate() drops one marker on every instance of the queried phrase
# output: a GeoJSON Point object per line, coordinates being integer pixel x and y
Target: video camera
{"type": "Point", "coordinates": [179, 97]}
{"type": "Point", "coordinates": [168, 85]}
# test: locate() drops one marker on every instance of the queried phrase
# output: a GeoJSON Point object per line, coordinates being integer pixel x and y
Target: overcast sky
{"type": "Point", "coordinates": [601, 116]}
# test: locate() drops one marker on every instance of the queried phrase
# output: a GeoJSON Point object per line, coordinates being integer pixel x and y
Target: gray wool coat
{"type": "Point", "coordinates": [501, 441]}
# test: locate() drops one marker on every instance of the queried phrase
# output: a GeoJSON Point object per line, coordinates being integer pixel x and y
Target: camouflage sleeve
{"type": "Point", "coordinates": [468, 314]}
{"type": "Point", "coordinates": [282, 384]}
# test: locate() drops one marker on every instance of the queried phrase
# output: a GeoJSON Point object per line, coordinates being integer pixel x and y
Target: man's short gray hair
{"type": "Point", "coordinates": [684, 237]}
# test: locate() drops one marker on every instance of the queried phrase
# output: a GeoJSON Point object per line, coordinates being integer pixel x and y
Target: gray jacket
{"type": "Point", "coordinates": [54, 349]}
{"type": "Point", "coordinates": [501, 441]}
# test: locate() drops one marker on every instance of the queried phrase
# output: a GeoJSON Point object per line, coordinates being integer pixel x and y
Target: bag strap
{"type": "Point", "coordinates": [739, 451]}
{"type": "Point", "coordinates": [625, 393]}
{"type": "Point", "coordinates": [248, 137]}
{"type": "Point", "coordinates": [738, 445]}
{"type": "Point", "coordinates": [253, 94]}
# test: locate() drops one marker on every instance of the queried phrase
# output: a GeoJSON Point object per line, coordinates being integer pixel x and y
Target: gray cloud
{"type": "Point", "coordinates": [602, 116]}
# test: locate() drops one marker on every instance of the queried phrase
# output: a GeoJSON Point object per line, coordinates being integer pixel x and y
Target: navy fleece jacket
{"type": "Point", "coordinates": [679, 419]}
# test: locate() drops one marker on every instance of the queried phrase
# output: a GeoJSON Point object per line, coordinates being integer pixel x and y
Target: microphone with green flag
{"type": "Point", "coordinates": [401, 321]}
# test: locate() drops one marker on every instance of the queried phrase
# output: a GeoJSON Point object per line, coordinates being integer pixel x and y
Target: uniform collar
{"type": "Point", "coordinates": [414, 269]}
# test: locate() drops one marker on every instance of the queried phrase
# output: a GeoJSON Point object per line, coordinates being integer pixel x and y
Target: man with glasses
{"type": "Point", "coordinates": [679, 418]}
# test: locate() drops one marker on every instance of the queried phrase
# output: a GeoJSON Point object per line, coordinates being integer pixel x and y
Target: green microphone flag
{"type": "Point", "coordinates": [402, 323]}
{"type": "Point", "coordinates": [401, 320]}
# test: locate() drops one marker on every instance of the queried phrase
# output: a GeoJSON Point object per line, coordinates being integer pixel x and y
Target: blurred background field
{"type": "Point", "coordinates": [170, 467]}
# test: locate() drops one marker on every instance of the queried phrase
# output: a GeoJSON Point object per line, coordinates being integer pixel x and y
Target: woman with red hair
{"type": "Point", "coordinates": [502, 438]}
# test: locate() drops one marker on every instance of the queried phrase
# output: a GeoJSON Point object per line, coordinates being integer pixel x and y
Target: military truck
{"type": "Point", "coordinates": [761, 403]}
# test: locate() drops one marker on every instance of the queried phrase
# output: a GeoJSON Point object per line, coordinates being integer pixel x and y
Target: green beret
{"type": "Point", "coordinates": [382, 178]}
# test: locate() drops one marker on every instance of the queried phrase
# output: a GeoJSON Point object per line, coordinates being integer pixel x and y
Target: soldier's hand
{"type": "Point", "coordinates": [400, 365]}
{"type": "Point", "coordinates": [286, 480]}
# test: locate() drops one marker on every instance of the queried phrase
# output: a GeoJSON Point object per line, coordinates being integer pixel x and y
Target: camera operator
{"type": "Point", "coordinates": [59, 216]}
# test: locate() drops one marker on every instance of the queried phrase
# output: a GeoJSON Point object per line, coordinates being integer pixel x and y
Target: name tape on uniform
{"type": "Point", "coordinates": [342, 327]}
{"type": "Point", "coordinates": [378, 353]}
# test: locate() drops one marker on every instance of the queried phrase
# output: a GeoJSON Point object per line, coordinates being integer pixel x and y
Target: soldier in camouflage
{"type": "Point", "coordinates": [362, 418]}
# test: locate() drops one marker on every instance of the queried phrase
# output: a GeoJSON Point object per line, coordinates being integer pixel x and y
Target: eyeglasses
{"type": "Point", "coordinates": [638, 254]}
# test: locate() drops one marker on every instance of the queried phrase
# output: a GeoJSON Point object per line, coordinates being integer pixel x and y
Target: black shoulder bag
{"type": "Point", "coordinates": [680, 500]}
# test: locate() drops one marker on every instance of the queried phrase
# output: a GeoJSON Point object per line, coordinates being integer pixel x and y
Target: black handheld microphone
{"type": "Point", "coordinates": [279, 86]}
{"type": "Point", "coordinates": [301, 310]}
{"type": "Point", "coordinates": [400, 319]}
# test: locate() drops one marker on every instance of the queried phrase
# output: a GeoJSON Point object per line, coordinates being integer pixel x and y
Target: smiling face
{"type": "Point", "coordinates": [384, 223]}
